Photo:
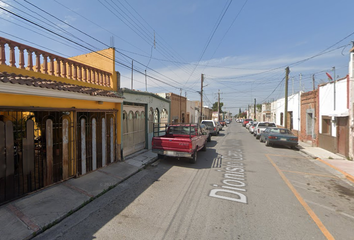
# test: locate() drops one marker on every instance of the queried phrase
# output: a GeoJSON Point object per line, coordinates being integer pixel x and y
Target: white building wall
{"type": "Point", "coordinates": [273, 111]}
{"type": "Point", "coordinates": [278, 108]}
{"type": "Point", "coordinates": [326, 102]}
{"type": "Point", "coordinates": [351, 100]}
{"type": "Point", "coordinates": [191, 111]}
{"type": "Point", "coordinates": [150, 101]}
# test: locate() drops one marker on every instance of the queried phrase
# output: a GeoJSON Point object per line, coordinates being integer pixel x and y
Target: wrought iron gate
{"type": "Point", "coordinates": [34, 151]}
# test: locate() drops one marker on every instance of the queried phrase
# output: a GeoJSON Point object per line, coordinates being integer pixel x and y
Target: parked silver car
{"type": "Point", "coordinates": [212, 126]}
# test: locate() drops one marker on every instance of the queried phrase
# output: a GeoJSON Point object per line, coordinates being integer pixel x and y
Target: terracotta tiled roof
{"type": "Point", "coordinates": [49, 84]}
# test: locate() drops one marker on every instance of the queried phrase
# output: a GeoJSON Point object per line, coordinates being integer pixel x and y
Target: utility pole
{"type": "Point", "coordinates": [146, 86]}
{"type": "Point", "coordinates": [300, 82]}
{"type": "Point", "coordinates": [255, 110]}
{"type": "Point", "coordinates": [334, 87]}
{"type": "Point", "coordinates": [201, 97]}
{"type": "Point", "coordinates": [286, 97]}
{"type": "Point", "coordinates": [218, 104]}
{"type": "Point", "coordinates": [180, 105]}
{"type": "Point", "coordinates": [131, 82]}
{"type": "Point", "coordinates": [313, 82]}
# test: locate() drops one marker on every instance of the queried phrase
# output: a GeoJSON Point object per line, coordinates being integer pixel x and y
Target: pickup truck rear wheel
{"type": "Point", "coordinates": [160, 156]}
{"type": "Point", "coordinates": [209, 138]}
{"type": "Point", "coordinates": [194, 157]}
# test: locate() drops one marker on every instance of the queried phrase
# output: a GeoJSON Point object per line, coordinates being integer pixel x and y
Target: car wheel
{"type": "Point", "coordinates": [160, 156]}
{"type": "Point", "coordinates": [294, 147]}
{"type": "Point", "coordinates": [194, 157]}
{"type": "Point", "coordinates": [260, 139]}
{"type": "Point", "coordinates": [209, 138]}
{"type": "Point", "coordinates": [257, 137]}
{"type": "Point", "coordinates": [204, 147]}
{"type": "Point", "coordinates": [267, 143]}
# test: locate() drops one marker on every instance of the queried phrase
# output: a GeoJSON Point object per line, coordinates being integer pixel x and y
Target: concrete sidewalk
{"type": "Point", "coordinates": [32, 214]}
{"type": "Point", "coordinates": [335, 161]}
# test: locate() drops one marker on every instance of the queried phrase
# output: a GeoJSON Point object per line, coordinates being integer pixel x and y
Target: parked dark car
{"type": "Point", "coordinates": [223, 123]}
{"type": "Point", "coordinates": [279, 136]}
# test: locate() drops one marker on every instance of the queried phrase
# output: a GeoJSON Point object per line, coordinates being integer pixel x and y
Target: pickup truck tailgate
{"type": "Point", "coordinates": [173, 144]}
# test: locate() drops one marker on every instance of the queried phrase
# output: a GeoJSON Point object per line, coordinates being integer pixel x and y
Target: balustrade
{"type": "Point", "coordinates": [55, 66]}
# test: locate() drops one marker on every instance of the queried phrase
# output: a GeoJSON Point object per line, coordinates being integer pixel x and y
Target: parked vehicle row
{"type": "Point", "coordinates": [271, 135]}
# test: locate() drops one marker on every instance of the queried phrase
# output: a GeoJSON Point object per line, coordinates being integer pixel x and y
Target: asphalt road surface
{"type": "Point", "coordinates": [238, 189]}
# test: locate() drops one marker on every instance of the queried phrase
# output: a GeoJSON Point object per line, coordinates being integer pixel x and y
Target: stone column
{"type": "Point", "coordinates": [22, 58]}
{"type": "Point", "coordinates": [2, 53]}
{"type": "Point", "coordinates": [12, 56]}
{"type": "Point", "coordinates": [29, 58]}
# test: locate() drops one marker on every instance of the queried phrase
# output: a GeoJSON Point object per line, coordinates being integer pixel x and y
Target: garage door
{"type": "Point", "coordinates": [133, 129]}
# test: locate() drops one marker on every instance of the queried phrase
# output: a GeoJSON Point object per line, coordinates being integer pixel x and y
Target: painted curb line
{"type": "Point", "coordinates": [347, 176]}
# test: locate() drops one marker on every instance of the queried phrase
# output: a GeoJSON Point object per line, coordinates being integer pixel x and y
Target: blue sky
{"type": "Point", "coordinates": [242, 47]}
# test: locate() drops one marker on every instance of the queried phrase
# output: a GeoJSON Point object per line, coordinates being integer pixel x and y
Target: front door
{"type": "Point", "coordinates": [342, 136]}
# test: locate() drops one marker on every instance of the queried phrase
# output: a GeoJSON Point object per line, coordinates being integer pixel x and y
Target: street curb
{"type": "Point", "coordinates": [347, 176]}
{"type": "Point", "coordinates": [308, 154]}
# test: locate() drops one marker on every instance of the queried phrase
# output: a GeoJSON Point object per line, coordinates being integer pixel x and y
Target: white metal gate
{"type": "Point", "coordinates": [133, 129]}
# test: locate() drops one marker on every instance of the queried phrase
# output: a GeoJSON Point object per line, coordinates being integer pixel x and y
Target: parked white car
{"type": "Point", "coordinates": [261, 126]}
{"type": "Point", "coordinates": [251, 128]}
{"type": "Point", "coordinates": [249, 124]}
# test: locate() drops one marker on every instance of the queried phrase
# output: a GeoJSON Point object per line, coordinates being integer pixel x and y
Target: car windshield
{"type": "Point", "coordinates": [266, 125]}
{"type": "Point", "coordinates": [280, 131]}
{"type": "Point", "coordinates": [210, 124]}
{"type": "Point", "coordinates": [182, 130]}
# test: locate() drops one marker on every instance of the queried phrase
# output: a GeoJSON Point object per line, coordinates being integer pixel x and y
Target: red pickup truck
{"type": "Point", "coordinates": [181, 140]}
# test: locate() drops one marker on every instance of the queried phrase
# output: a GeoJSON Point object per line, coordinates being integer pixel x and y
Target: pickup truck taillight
{"type": "Point", "coordinates": [214, 129]}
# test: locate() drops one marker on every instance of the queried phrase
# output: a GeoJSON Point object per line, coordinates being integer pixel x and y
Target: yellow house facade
{"type": "Point", "coordinates": [59, 117]}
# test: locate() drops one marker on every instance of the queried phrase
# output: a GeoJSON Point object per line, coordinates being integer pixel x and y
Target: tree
{"type": "Point", "coordinates": [215, 107]}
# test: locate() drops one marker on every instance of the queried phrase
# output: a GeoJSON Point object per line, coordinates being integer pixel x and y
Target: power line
{"type": "Point", "coordinates": [209, 40]}
{"type": "Point", "coordinates": [81, 45]}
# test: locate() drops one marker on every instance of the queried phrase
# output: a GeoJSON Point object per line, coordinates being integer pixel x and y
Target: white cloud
{"type": "Point", "coordinates": [3, 13]}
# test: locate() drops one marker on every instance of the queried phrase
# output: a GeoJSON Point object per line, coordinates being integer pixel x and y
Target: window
{"type": "Point", "coordinates": [326, 125]}
{"type": "Point", "coordinates": [309, 121]}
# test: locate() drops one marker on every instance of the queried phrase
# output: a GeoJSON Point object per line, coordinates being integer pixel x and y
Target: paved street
{"type": "Point", "coordinates": [239, 189]}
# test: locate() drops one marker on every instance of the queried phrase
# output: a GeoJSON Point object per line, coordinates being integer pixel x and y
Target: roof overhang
{"type": "Point", "coordinates": [339, 114]}
{"type": "Point", "coordinates": [44, 92]}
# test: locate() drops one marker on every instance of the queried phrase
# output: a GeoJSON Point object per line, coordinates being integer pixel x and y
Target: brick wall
{"type": "Point", "coordinates": [309, 102]}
